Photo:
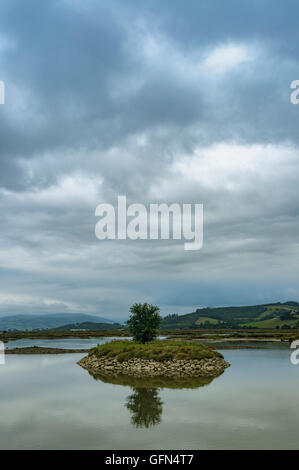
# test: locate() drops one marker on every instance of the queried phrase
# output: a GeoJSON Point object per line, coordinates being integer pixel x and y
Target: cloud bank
{"type": "Point", "coordinates": [161, 102]}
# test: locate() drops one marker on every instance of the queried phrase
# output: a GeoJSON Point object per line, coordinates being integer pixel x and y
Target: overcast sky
{"type": "Point", "coordinates": [162, 102]}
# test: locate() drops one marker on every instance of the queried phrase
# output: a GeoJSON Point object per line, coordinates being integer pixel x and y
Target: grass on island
{"type": "Point", "coordinates": [155, 350]}
{"type": "Point", "coordinates": [41, 350]}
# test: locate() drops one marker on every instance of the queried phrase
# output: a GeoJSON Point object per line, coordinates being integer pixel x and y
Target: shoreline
{"type": "Point", "coordinates": [41, 350]}
{"type": "Point", "coordinates": [207, 367]}
{"type": "Point", "coordinates": [202, 334]}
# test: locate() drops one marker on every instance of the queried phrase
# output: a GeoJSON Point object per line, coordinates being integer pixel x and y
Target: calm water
{"type": "Point", "coordinates": [68, 343]}
{"type": "Point", "coordinates": [49, 402]}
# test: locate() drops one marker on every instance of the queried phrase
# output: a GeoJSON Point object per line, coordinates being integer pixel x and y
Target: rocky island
{"type": "Point", "coordinates": [156, 358]}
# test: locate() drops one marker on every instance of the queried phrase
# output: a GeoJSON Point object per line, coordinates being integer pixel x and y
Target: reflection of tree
{"type": "Point", "coordinates": [145, 406]}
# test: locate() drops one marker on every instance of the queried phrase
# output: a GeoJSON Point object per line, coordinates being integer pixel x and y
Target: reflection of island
{"type": "Point", "coordinates": [145, 406]}
{"type": "Point", "coordinates": [152, 382]}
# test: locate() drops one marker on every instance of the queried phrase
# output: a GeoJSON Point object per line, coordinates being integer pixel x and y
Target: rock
{"type": "Point", "coordinates": [140, 367]}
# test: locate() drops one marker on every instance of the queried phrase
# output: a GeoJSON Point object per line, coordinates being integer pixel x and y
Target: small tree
{"type": "Point", "coordinates": [144, 322]}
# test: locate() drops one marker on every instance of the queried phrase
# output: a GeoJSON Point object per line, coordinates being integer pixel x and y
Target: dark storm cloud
{"type": "Point", "coordinates": [68, 57]}
{"type": "Point", "coordinates": [160, 101]}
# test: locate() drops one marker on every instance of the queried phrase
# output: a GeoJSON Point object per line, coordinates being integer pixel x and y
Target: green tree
{"type": "Point", "coordinates": [144, 322]}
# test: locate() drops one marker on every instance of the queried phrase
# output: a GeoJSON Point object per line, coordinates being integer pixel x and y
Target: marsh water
{"type": "Point", "coordinates": [49, 402]}
{"type": "Point", "coordinates": [65, 343]}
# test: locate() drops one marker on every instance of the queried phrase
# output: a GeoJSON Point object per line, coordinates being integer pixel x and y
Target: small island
{"type": "Point", "coordinates": [146, 356]}
{"type": "Point", "coordinates": [156, 358]}
{"type": "Point", "coordinates": [43, 350]}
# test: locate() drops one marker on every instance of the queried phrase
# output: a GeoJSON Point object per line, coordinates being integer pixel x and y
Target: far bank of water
{"type": "Point", "coordinates": [63, 343]}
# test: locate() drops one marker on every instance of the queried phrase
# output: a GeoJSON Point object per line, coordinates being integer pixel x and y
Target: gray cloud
{"type": "Point", "coordinates": [161, 102]}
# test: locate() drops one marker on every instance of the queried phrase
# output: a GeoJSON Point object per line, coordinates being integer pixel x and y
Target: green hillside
{"type": "Point", "coordinates": [92, 326]}
{"type": "Point", "coordinates": [276, 315]}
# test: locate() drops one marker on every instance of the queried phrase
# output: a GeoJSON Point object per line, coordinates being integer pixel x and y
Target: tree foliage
{"type": "Point", "coordinates": [144, 322]}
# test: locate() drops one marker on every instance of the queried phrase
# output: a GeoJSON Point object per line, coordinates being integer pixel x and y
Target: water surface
{"type": "Point", "coordinates": [63, 343]}
{"type": "Point", "coordinates": [49, 402]}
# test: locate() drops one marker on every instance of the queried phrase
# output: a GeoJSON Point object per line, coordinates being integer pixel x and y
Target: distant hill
{"type": "Point", "coordinates": [33, 322]}
{"type": "Point", "coordinates": [276, 315]}
{"type": "Point", "coordinates": [88, 325]}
